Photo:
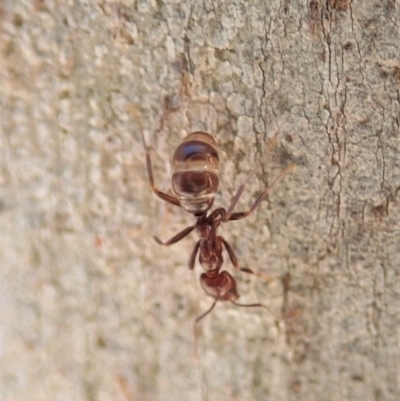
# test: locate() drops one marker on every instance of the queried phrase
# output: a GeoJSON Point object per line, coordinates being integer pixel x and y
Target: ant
{"type": "Point", "coordinates": [195, 182]}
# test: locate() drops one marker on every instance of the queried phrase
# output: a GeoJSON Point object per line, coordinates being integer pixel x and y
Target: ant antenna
{"type": "Point", "coordinates": [205, 313]}
{"type": "Point", "coordinates": [258, 305]}
{"type": "Point", "coordinates": [195, 327]}
{"type": "Point", "coordinates": [287, 316]}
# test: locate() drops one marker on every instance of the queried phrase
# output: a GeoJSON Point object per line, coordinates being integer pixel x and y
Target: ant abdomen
{"type": "Point", "coordinates": [195, 179]}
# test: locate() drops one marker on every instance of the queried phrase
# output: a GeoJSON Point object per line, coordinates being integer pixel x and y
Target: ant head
{"type": "Point", "coordinates": [221, 286]}
{"type": "Point", "coordinates": [196, 177]}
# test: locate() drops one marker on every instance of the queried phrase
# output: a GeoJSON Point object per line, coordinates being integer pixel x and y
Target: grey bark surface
{"type": "Point", "coordinates": [91, 308]}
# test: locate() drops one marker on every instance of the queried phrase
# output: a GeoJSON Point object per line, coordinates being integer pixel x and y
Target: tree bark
{"type": "Point", "coordinates": [91, 307]}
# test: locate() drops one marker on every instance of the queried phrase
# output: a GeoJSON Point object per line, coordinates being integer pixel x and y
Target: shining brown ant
{"type": "Point", "coordinates": [195, 182]}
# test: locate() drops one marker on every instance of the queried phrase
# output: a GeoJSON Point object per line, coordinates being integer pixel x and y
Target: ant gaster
{"type": "Point", "coordinates": [195, 181]}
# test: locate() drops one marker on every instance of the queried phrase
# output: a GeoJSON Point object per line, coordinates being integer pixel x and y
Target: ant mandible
{"type": "Point", "coordinates": [195, 182]}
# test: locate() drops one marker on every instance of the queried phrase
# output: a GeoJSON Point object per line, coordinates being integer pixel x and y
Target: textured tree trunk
{"type": "Point", "coordinates": [91, 307]}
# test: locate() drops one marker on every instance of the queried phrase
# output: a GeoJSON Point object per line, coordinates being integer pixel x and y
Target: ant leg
{"type": "Point", "coordinates": [192, 259]}
{"type": "Point", "coordinates": [164, 196]}
{"type": "Point", "coordinates": [235, 263]}
{"type": "Point", "coordinates": [229, 216]}
{"type": "Point", "coordinates": [241, 188]}
{"type": "Point", "coordinates": [235, 199]}
{"type": "Point", "coordinates": [177, 237]}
